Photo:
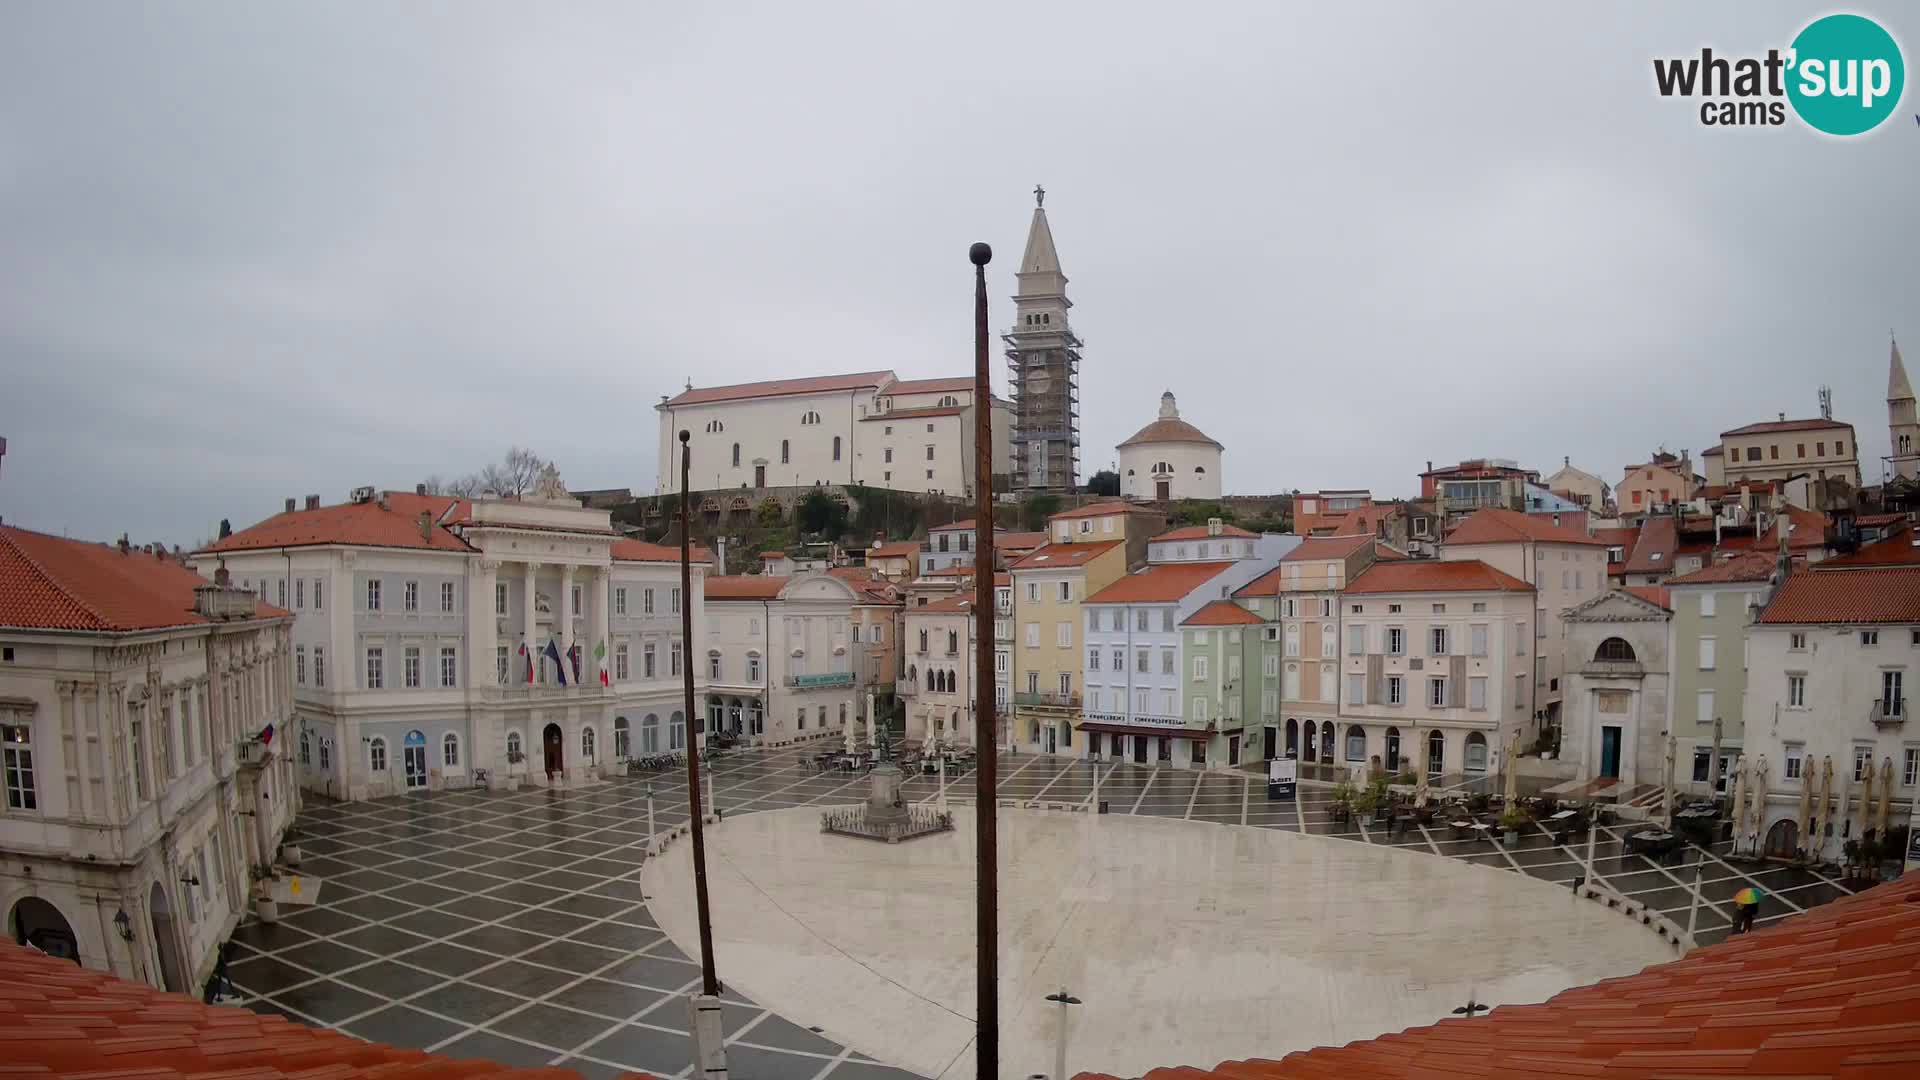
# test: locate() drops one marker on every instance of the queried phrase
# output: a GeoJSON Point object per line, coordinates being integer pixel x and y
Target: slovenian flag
{"type": "Point", "coordinates": [266, 735]}
{"type": "Point", "coordinates": [600, 657]}
{"type": "Point", "coordinates": [528, 658]}
{"type": "Point", "coordinates": [552, 652]}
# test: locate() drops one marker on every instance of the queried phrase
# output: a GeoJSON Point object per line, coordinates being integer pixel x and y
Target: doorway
{"type": "Point", "coordinates": [1610, 751]}
{"type": "Point", "coordinates": [1053, 738]}
{"type": "Point", "coordinates": [1139, 749]}
{"type": "Point", "coordinates": [1163, 490]}
{"type": "Point", "coordinates": [413, 755]}
{"type": "Point", "coordinates": [38, 923]}
{"type": "Point", "coordinates": [759, 476]}
{"type": "Point", "coordinates": [1272, 749]}
{"type": "Point", "coordinates": [163, 940]}
{"type": "Point", "coordinates": [550, 741]}
{"type": "Point", "coordinates": [1393, 750]}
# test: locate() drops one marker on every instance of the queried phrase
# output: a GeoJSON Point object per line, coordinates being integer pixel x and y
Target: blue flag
{"type": "Point", "coordinates": [552, 652]}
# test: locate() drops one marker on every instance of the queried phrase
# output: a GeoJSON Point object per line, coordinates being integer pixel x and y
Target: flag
{"type": "Point", "coordinates": [528, 657]}
{"type": "Point", "coordinates": [573, 657]}
{"type": "Point", "coordinates": [552, 652]}
{"type": "Point", "coordinates": [600, 657]}
{"type": "Point", "coordinates": [266, 735]}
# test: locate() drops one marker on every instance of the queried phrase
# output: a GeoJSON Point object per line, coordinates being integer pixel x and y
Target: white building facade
{"type": "Point", "coordinates": [143, 716]}
{"type": "Point", "coordinates": [776, 657]}
{"type": "Point", "coordinates": [1615, 718]}
{"type": "Point", "coordinates": [1169, 459]}
{"type": "Point", "coordinates": [444, 643]}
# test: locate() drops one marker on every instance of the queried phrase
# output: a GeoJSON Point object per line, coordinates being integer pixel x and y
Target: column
{"type": "Point", "coordinates": [528, 620]}
{"type": "Point", "coordinates": [602, 624]}
{"type": "Point", "coordinates": [483, 632]}
{"type": "Point", "coordinates": [565, 611]}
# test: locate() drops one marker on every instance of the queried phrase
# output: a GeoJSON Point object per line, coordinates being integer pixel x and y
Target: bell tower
{"type": "Point", "coordinates": [1043, 362]}
{"type": "Point", "coordinates": [1903, 428]}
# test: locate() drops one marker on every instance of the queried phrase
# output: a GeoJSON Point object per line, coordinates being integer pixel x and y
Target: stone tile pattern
{"type": "Point", "coordinates": [511, 926]}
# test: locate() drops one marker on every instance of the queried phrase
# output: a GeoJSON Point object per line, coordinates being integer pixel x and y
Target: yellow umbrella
{"type": "Point", "coordinates": [1739, 807]}
{"type": "Point", "coordinates": [1886, 795]}
{"type": "Point", "coordinates": [1807, 778]}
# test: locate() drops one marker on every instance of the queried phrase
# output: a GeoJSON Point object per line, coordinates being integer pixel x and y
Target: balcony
{"type": "Point", "coordinates": [252, 754]}
{"type": "Point", "coordinates": [524, 692]}
{"type": "Point", "coordinates": [1613, 669]}
{"type": "Point", "coordinates": [824, 681]}
{"type": "Point", "coordinates": [1888, 713]}
{"type": "Point", "coordinates": [1047, 700]}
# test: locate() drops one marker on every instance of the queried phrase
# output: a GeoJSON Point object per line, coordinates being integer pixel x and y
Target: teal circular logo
{"type": "Point", "coordinates": [1845, 74]}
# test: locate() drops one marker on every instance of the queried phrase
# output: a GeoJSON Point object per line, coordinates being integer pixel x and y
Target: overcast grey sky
{"type": "Point", "coordinates": [257, 250]}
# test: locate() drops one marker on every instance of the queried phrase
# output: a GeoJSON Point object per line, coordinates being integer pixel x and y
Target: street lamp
{"type": "Point", "coordinates": [1065, 1001]}
{"type": "Point", "coordinates": [123, 924]}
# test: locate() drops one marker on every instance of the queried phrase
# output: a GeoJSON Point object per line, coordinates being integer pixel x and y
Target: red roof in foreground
{"type": "Point", "coordinates": [897, 550]}
{"type": "Point", "coordinates": [1428, 575]}
{"type": "Point", "coordinates": [1222, 613]}
{"type": "Point", "coordinates": [1833, 993]}
{"type": "Point", "coordinates": [1847, 597]}
{"type": "Point", "coordinates": [52, 583]}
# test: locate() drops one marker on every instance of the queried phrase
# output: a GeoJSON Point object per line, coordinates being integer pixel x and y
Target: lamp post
{"type": "Point", "coordinates": [1065, 1001]}
{"type": "Point", "coordinates": [985, 814]}
{"type": "Point", "coordinates": [653, 831]}
{"type": "Point", "coordinates": [703, 1009]}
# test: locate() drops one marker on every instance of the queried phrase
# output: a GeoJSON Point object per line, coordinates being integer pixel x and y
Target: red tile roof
{"type": "Point", "coordinates": [367, 524]}
{"type": "Point", "coordinates": [1900, 549]}
{"type": "Point", "coordinates": [1327, 547]}
{"type": "Point", "coordinates": [630, 550]}
{"type": "Point", "coordinates": [1161, 583]}
{"type": "Point", "coordinates": [1749, 566]}
{"type": "Point", "coordinates": [1618, 537]}
{"type": "Point", "coordinates": [1877, 595]}
{"type": "Point", "coordinates": [745, 587]}
{"type": "Point", "coordinates": [1054, 556]}
{"type": "Point", "coordinates": [915, 414]}
{"type": "Point", "coordinates": [959, 385]}
{"type": "Point", "coordinates": [1199, 532]}
{"type": "Point", "coordinates": [1833, 993]}
{"type": "Point", "coordinates": [52, 583]}
{"type": "Point", "coordinates": [1815, 424]}
{"type": "Point", "coordinates": [1653, 552]}
{"type": "Point", "coordinates": [1712, 451]}
{"type": "Point", "coordinates": [1652, 594]}
{"type": "Point", "coordinates": [1428, 575]}
{"type": "Point", "coordinates": [58, 1019]}
{"type": "Point", "coordinates": [1494, 525]}
{"type": "Point", "coordinates": [1267, 584]}
{"type": "Point", "coordinates": [1222, 613]}
{"type": "Point", "coordinates": [819, 384]}
{"type": "Point", "coordinates": [960, 603]}
{"type": "Point", "coordinates": [1016, 541]}
{"type": "Point", "coordinates": [1100, 509]}
{"type": "Point", "coordinates": [897, 549]}
{"type": "Point", "coordinates": [1169, 430]}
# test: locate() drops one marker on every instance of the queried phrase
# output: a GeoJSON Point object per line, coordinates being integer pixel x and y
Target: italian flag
{"type": "Point", "coordinates": [600, 657]}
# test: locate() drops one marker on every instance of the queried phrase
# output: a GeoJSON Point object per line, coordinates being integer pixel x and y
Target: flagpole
{"type": "Point", "coordinates": [985, 737]}
{"type": "Point", "coordinates": [704, 1009]}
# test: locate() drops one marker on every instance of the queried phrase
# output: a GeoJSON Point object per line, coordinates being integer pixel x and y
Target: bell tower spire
{"type": "Point", "coordinates": [1903, 427]}
{"type": "Point", "coordinates": [1043, 362]}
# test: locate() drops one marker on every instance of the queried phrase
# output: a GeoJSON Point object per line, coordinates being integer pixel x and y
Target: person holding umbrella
{"type": "Point", "coordinates": [1746, 906]}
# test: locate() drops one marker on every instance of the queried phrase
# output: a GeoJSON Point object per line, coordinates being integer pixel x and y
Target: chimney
{"type": "Point", "coordinates": [1213, 526]}
{"type": "Point", "coordinates": [720, 556]}
{"type": "Point", "coordinates": [289, 504]}
{"type": "Point", "coordinates": [313, 502]}
{"type": "Point", "coordinates": [221, 577]}
{"type": "Point", "coordinates": [419, 489]}
{"type": "Point", "coordinates": [1567, 460]}
{"type": "Point", "coordinates": [383, 500]}
{"type": "Point", "coordinates": [1783, 418]}
{"type": "Point", "coordinates": [426, 525]}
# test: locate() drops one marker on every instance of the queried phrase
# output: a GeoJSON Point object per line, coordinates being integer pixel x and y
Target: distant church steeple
{"type": "Point", "coordinates": [1903, 427]}
{"type": "Point", "coordinates": [1043, 362]}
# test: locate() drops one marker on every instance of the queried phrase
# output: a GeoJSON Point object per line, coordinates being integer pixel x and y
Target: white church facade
{"type": "Point", "coordinates": [1170, 459]}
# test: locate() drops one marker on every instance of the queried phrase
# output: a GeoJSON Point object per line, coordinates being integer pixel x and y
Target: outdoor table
{"type": "Point", "coordinates": [1563, 815]}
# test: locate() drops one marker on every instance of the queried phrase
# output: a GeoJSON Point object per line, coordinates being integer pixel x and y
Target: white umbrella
{"type": "Point", "coordinates": [1513, 776]}
{"type": "Point", "coordinates": [1760, 779]}
{"type": "Point", "coordinates": [1808, 781]}
{"type": "Point", "coordinates": [1824, 819]}
{"type": "Point", "coordinates": [1886, 795]}
{"type": "Point", "coordinates": [1866, 800]}
{"type": "Point", "coordinates": [1666, 788]}
{"type": "Point", "coordinates": [1421, 793]}
{"type": "Point", "coordinates": [1739, 807]}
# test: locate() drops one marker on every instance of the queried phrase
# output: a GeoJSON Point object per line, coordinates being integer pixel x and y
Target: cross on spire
{"type": "Point", "coordinates": [1039, 195]}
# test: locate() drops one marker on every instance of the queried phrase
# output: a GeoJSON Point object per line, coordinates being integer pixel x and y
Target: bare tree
{"type": "Point", "coordinates": [465, 487]}
{"type": "Point", "coordinates": [515, 476]}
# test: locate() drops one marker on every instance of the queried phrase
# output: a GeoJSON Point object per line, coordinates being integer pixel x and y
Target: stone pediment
{"type": "Point", "coordinates": [1618, 606]}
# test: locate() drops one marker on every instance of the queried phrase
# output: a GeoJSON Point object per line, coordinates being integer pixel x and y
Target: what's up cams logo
{"type": "Point", "coordinates": [1842, 75]}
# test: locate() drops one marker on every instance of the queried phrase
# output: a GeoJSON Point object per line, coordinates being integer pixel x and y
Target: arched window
{"type": "Point", "coordinates": [326, 755]}
{"type": "Point", "coordinates": [836, 448]}
{"type": "Point", "coordinates": [1199, 469]}
{"type": "Point", "coordinates": [1356, 743]}
{"type": "Point", "coordinates": [377, 754]}
{"type": "Point", "coordinates": [949, 401]}
{"type": "Point", "coordinates": [1293, 738]}
{"type": "Point", "coordinates": [586, 743]}
{"type": "Point", "coordinates": [1476, 752]}
{"type": "Point", "coordinates": [1326, 741]}
{"type": "Point", "coordinates": [736, 455]}
{"type": "Point", "coordinates": [650, 733]}
{"type": "Point", "coordinates": [953, 642]}
{"type": "Point", "coordinates": [513, 746]}
{"type": "Point", "coordinates": [843, 714]}
{"type": "Point", "coordinates": [306, 750]}
{"type": "Point", "coordinates": [786, 452]}
{"type": "Point", "coordinates": [621, 748]}
{"type": "Point", "coordinates": [676, 732]}
{"type": "Point", "coordinates": [1436, 753]}
{"type": "Point", "coordinates": [1615, 649]}
{"type": "Point", "coordinates": [733, 715]}
{"type": "Point", "coordinates": [714, 711]}
{"type": "Point", "coordinates": [450, 750]}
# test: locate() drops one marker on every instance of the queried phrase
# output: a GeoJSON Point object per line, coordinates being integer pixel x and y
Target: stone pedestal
{"type": "Point", "coordinates": [884, 805]}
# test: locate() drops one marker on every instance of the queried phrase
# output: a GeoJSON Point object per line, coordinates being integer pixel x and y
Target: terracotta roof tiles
{"type": "Point", "coordinates": [1017, 541]}
{"type": "Point", "coordinates": [367, 524]}
{"type": "Point", "coordinates": [630, 550]}
{"type": "Point", "coordinates": [1764, 427]}
{"type": "Point", "coordinates": [1750, 566]}
{"type": "Point", "coordinates": [1327, 547]}
{"type": "Point", "coordinates": [1652, 594]}
{"type": "Point", "coordinates": [745, 587]}
{"type": "Point", "coordinates": [1869, 596]}
{"type": "Point", "coordinates": [819, 384]}
{"type": "Point", "coordinates": [1161, 583]}
{"type": "Point", "coordinates": [1100, 509]}
{"type": "Point", "coordinates": [52, 583]}
{"type": "Point", "coordinates": [1222, 613]}
{"type": "Point", "coordinates": [896, 550]}
{"type": "Point", "coordinates": [1494, 525]}
{"type": "Point", "coordinates": [1200, 532]}
{"type": "Point", "coordinates": [1170, 430]}
{"type": "Point", "coordinates": [1653, 552]}
{"type": "Point", "coordinates": [1065, 555]}
{"type": "Point", "coordinates": [1427, 575]}
{"type": "Point", "coordinates": [1267, 584]}
{"type": "Point", "coordinates": [1900, 549]}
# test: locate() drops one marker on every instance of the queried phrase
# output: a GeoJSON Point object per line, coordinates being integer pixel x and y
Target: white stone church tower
{"type": "Point", "coordinates": [1903, 428]}
{"type": "Point", "coordinates": [1043, 367]}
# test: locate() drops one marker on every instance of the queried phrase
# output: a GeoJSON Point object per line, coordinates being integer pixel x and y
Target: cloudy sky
{"type": "Point", "coordinates": [257, 250]}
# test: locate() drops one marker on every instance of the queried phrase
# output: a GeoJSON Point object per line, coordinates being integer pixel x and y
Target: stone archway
{"type": "Point", "coordinates": [165, 940]}
{"type": "Point", "coordinates": [553, 750]}
{"type": "Point", "coordinates": [38, 923]}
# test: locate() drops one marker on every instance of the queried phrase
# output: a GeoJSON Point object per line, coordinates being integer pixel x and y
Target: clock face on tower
{"type": "Point", "coordinates": [1038, 382]}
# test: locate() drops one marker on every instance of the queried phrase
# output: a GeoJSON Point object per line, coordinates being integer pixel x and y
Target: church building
{"type": "Point", "coordinates": [1169, 459]}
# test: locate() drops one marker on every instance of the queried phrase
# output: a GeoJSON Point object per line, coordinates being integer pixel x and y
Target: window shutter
{"type": "Point", "coordinates": [1456, 681]}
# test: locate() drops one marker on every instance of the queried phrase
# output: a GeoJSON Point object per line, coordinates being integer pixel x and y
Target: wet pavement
{"type": "Point", "coordinates": [512, 926]}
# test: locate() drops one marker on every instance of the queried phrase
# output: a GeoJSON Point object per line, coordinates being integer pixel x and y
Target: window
{"type": "Point", "coordinates": [1396, 641]}
{"type": "Point", "coordinates": [586, 744]}
{"type": "Point", "coordinates": [300, 665]}
{"type": "Point", "coordinates": [299, 593]}
{"type": "Point", "coordinates": [1892, 700]}
{"type": "Point", "coordinates": [1869, 638]}
{"type": "Point", "coordinates": [713, 665]}
{"type": "Point", "coordinates": [377, 754]}
{"type": "Point", "coordinates": [1166, 620]}
{"type": "Point", "coordinates": [1033, 635]}
{"type": "Point", "coordinates": [449, 666]}
{"type": "Point", "coordinates": [373, 594]}
{"type": "Point", "coordinates": [1199, 668]}
{"type": "Point", "coordinates": [620, 600]}
{"type": "Point", "coordinates": [16, 757]}
{"type": "Point", "coordinates": [1288, 605]}
{"type": "Point", "coordinates": [648, 663]}
{"type": "Point", "coordinates": [411, 594]}
{"type": "Point", "coordinates": [673, 606]}
{"type": "Point", "coordinates": [1862, 757]}
{"type": "Point", "coordinates": [573, 599]}
{"type": "Point", "coordinates": [1356, 744]}
{"type": "Point", "coordinates": [450, 750]}
{"type": "Point", "coordinates": [1093, 659]}
{"type": "Point", "coordinates": [1199, 714]}
{"type": "Point", "coordinates": [1520, 637]}
{"type": "Point", "coordinates": [1066, 595]}
{"type": "Point", "coordinates": [1326, 602]}
{"type": "Point", "coordinates": [1797, 641]}
{"type": "Point", "coordinates": [1477, 693]}
{"type": "Point", "coordinates": [736, 455]}
{"type": "Point", "coordinates": [1293, 641]}
{"type": "Point", "coordinates": [500, 663]}
{"type": "Point", "coordinates": [1706, 654]}
{"type": "Point", "coordinates": [1477, 639]}
{"type": "Point", "coordinates": [1290, 682]}
{"type": "Point", "coordinates": [1704, 715]}
{"type": "Point", "coordinates": [1356, 640]}
{"type": "Point", "coordinates": [1356, 689]}
{"type": "Point", "coordinates": [1066, 684]}
{"type": "Point", "coordinates": [1270, 666]}
{"type": "Point", "coordinates": [929, 449]}
{"type": "Point", "coordinates": [1167, 663]}
{"type": "Point", "coordinates": [673, 659]}
{"type": "Point", "coordinates": [1706, 605]}
{"type": "Point", "coordinates": [1033, 592]}
{"type": "Point", "coordinates": [1796, 759]}
{"type": "Point", "coordinates": [1479, 607]}
{"type": "Point", "coordinates": [1396, 692]}
{"type": "Point", "coordinates": [499, 598]}
{"type": "Point", "coordinates": [446, 596]}
{"type": "Point", "coordinates": [786, 454]}
{"type": "Point", "coordinates": [320, 666]}
{"type": "Point", "coordinates": [376, 667]}
{"type": "Point", "coordinates": [1437, 693]}
{"type": "Point", "coordinates": [1063, 635]}
{"type": "Point", "coordinates": [1437, 641]}
{"type": "Point", "coordinates": [753, 667]}
{"type": "Point", "coordinates": [1910, 768]}
{"type": "Point", "coordinates": [1393, 609]}
{"type": "Point", "coordinates": [836, 448]}
{"type": "Point", "coordinates": [1796, 691]}
{"type": "Point", "coordinates": [1329, 641]}
{"type": "Point", "coordinates": [1820, 449]}
{"type": "Point", "coordinates": [282, 584]}
{"type": "Point", "coordinates": [410, 663]}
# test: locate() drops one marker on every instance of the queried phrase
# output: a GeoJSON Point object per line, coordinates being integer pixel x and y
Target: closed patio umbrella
{"type": "Point", "coordinates": [1759, 829]}
{"type": "Point", "coordinates": [1738, 815]}
{"type": "Point", "coordinates": [1668, 782]}
{"type": "Point", "coordinates": [1825, 821]}
{"type": "Point", "coordinates": [1513, 776]}
{"type": "Point", "coordinates": [1866, 800]}
{"type": "Point", "coordinates": [1808, 780]}
{"type": "Point", "coordinates": [1420, 790]}
{"type": "Point", "coordinates": [1886, 796]}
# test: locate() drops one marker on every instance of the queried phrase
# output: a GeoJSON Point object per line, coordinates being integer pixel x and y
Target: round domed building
{"type": "Point", "coordinates": [1170, 459]}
